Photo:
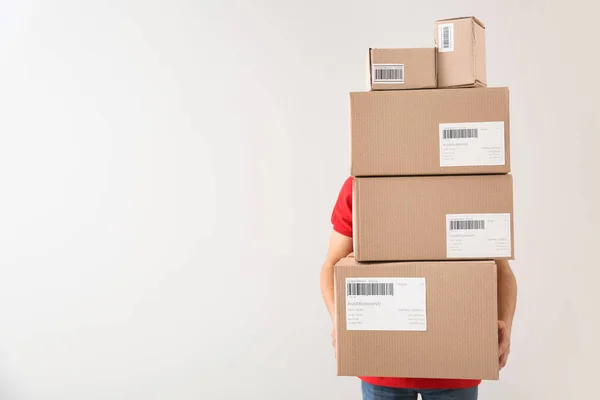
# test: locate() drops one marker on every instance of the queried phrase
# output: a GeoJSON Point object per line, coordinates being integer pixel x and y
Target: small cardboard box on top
{"type": "Point", "coordinates": [461, 52]}
{"type": "Point", "coordinates": [421, 218]}
{"type": "Point", "coordinates": [417, 319]}
{"type": "Point", "coordinates": [397, 69]}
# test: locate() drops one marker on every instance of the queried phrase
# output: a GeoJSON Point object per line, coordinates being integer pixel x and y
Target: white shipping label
{"type": "Point", "coordinates": [472, 143]}
{"type": "Point", "coordinates": [386, 304]}
{"type": "Point", "coordinates": [478, 235]}
{"type": "Point", "coordinates": [446, 37]}
{"type": "Point", "coordinates": [388, 73]}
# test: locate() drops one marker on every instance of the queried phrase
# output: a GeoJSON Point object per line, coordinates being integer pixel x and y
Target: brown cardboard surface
{"type": "Point", "coordinates": [396, 133]}
{"type": "Point", "coordinates": [405, 218]}
{"type": "Point", "coordinates": [477, 20]}
{"type": "Point", "coordinates": [466, 65]}
{"type": "Point", "coordinates": [461, 338]}
{"type": "Point", "coordinates": [417, 65]}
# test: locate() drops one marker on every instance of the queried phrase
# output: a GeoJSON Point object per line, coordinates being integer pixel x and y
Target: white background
{"type": "Point", "coordinates": [168, 170]}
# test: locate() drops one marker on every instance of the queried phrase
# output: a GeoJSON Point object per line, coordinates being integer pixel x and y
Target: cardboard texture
{"type": "Point", "coordinates": [433, 218]}
{"type": "Point", "coordinates": [461, 52]}
{"type": "Point", "coordinates": [397, 69]}
{"type": "Point", "coordinates": [461, 336]}
{"type": "Point", "coordinates": [397, 133]}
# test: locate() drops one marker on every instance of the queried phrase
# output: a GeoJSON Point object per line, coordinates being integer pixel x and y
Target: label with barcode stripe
{"type": "Point", "coordinates": [478, 235]}
{"type": "Point", "coordinates": [460, 133]}
{"type": "Point", "coordinates": [386, 303]}
{"type": "Point", "coordinates": [388, 73]}
{"type": "Point", "coordinates": [467, 224]}
{"type": "Point", "coordinates": [370, 289]}
{"type": "Point", "coordinates": [445, 37]}
{"type": "Point", "coordinates": [472, 144]}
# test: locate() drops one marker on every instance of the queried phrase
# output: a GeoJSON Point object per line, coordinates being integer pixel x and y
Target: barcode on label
{"type": "Point", "coordinates": [467, 225]}
{"type": "Point", "coordinates": [446, 37]}
{"type": "Point", "coordinates": [388, 73]}
{"type": "Point", "coordinates": [369, 289]}
{"type": "Point", "coordinates": [461, 133]}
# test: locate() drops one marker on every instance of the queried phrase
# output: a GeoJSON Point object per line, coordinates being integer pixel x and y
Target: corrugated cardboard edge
{"type": "Point", "coordinates": [508, 141]}
{"type": "Point", "coordinates": [474, 52]}
{"type": "Point", "coordinates": [479, 48]}
{"type": "Point", "coordinates": [435, 65]}
{"type": "Point", "coordinates": [335, 313]}
{"type": "Point", "coordinates": [351, 261]}
{"type": "Point", "coordinates": [344, 262]}
{"type": "Point", "coordinates": [512, 219]}
{"type": "Point", "coordinates": [355, 206]}
{"type": "Point", "coordinates": [435, 68]}
{"type": "Point", "coordinates": [475, 19]}
{"type": "Point", "coordinates": [349, 137]}
{"type": "Point", "coordinates": [476, 84]}
{"type": "Point", "coordinates": [370, 70]}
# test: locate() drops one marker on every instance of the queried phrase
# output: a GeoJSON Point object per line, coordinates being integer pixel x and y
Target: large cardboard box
{"type": "Point", "coordinates": [417, 319]}
{"type": "Point", "coordinates": [430, 132]}
{"type": "Point", "coordinates": [461, 57]}
{"type": "Point", "coordinates": [462, 217]}
{"type": "Point", "coordinates": [395, 69]}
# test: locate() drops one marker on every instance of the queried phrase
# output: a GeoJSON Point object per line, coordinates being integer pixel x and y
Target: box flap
{"type": "Point", "coordinates": [477, 20]}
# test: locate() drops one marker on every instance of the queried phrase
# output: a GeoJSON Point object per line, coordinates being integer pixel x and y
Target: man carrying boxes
{"type": "Point", "coordinates": [416, 278]}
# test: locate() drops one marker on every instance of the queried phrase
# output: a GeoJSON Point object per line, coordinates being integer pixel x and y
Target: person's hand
{"type": "Point", "coordinates": [333, 341]}
{"type": "Point", "coordinates": [503, 343]}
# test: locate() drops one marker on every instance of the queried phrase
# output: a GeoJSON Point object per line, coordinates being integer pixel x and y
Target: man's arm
{"type": "Point", "coordinates": [507, 304]}
{"type": "Point", "coordinates": [507, 293]}
{"type": "Point", "coordinates": [339, 247]}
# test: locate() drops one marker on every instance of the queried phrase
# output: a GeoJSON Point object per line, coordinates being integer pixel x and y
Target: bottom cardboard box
{"type": "Point", "coordinates": [417, 319]}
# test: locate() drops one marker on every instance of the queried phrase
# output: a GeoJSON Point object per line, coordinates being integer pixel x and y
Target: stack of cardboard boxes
{"type": "Point", "coordinates": [432, 205]}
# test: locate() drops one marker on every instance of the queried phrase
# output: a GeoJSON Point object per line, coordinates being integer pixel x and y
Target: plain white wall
{"type": "Point", "coordinates": [168, 169]}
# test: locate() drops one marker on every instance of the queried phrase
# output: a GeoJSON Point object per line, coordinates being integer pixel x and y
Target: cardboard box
{"type": "Point", "coordinates": [430, 132]}
{"type": "Point", "coordinates": [417, 319]}
{"type": "Point", "coordinates": [462, 217]}
{"type": "Point", "coordinates": [395, 69]}
{"type": "Point", "coordinates": [461, 52]}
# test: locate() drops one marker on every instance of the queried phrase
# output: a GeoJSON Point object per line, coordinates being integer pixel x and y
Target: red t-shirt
{"type": "Point", "coordinates": [341, 219]}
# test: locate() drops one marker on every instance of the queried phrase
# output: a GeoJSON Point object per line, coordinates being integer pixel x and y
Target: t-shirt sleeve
{"type": "Point", "coordinates": [341, 217]}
